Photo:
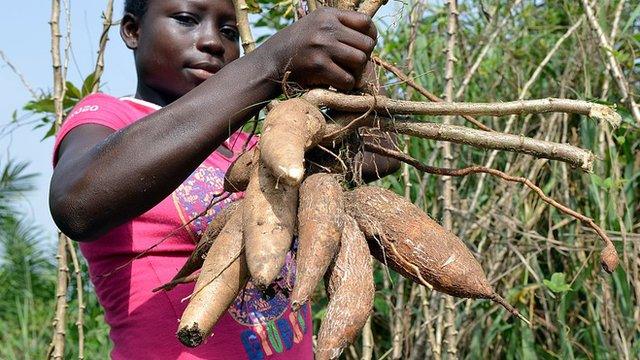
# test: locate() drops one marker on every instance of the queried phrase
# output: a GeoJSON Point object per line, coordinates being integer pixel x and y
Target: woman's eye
{"type": "Point", "coordinates": [186, 19]}
{"type": "Point", "coordinates": [230, 32]}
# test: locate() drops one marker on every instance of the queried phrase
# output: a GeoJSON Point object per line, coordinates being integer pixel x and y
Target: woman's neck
{"type": "Point", "coordinates": [143, 92]}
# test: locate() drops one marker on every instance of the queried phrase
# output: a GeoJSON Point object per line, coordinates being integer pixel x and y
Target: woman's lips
{"type": "Point", "coordinates": [203, 71]}
{"type": "Point", "coordinates": [200, 74]}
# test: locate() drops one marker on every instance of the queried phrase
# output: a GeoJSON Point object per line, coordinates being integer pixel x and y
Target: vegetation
{"type": "Point", "coordinates": [541, 260]}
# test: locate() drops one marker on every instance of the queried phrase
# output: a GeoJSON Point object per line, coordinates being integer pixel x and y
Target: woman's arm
{"type": "Point", "coordinates": [104, 178]}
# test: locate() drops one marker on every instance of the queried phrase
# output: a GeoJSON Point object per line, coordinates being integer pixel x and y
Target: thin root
{"type": "Point", "coordinates": [499, 300]}
{"type": "Point", "coordinates": [609, 256]}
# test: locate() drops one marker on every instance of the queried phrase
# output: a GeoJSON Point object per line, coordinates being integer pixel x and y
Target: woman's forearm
{"type": "Point", "coordinates": [133, 169]}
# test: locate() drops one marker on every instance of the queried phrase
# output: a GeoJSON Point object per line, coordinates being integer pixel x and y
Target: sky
{"type": "Point", "coordinates": [25, 42]}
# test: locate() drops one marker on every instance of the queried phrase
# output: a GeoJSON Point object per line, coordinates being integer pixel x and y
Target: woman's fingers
{"type": "Point", "coordinates": [349, 58]}
{"type": "Point", "coordinates": [359, 22]}
{"type": "Point", "coordinates": [357, 40]}
{"type": "Point", "coordinates": [338, 77]}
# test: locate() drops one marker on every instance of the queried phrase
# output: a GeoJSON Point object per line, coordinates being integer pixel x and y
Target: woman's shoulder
{"type": "Point", "coordinates": [99, 103]}
{"type": "Point", "coordinates": [108, 110]}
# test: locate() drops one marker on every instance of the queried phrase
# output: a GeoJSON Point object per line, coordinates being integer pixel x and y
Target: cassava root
{"type": "Point", "coordinates": [350, 289]}
{"type": "Point", "coordinates": [403, 237]}
{"type": "Point", "coordinates": [224, 273]}
{"type": "Point", "coordinates": [291, 127]}
{"type": "Point", "coordinates": [320, 222]}
{"type": "Point", "coordinates": [269, 217]}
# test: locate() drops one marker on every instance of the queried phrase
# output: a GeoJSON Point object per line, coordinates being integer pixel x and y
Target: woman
{"type": "Point", "coordinates": [131, 172]}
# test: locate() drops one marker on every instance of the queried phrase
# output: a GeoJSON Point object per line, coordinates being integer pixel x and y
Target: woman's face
{"type": "Point", "coordinates": [178, 44]}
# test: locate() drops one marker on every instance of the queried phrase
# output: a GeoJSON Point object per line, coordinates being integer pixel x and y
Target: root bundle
{"type": "Point", "coordinates": [340, 223]}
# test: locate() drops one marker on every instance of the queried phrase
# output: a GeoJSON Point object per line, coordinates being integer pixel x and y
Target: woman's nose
{"type": "Point", "coordinates": [209, 41]}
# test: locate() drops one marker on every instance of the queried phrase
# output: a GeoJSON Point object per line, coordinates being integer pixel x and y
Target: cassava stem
{"type": "Point", "coordinates": [385, 105]}
{"type": "Point", "coordinates": [463, 135]}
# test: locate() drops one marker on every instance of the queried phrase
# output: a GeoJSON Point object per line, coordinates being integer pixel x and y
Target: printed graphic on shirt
{"type": "Point", "coordinates": [252, 306]}
{"type": "Point", "coordinates": [196, 194]}
{"type": "Point", "coordinates": [275, 336]}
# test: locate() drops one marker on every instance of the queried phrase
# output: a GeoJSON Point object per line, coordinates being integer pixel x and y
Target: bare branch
{"type": "Point", "coordinates": [615, 119]}
{"type": "Point", "coordinates": [371, 7]}
{"type": "Point", "coordinates": [357, 103]}
{"type": "Point", "coordinates": [104, 38]}
{"type": "Point", "coordinates": [59, 320]}
{"type": "Point", "coordinates": [58, 81]}
{"type": "Point", "coordinates": [483, 52]}
{"type": "Point", "coordinates": [429, 95]}
{"type": "Point", "coordinates": [623, 86]}
{"type": "Point", "coordinates": [367, 341]}
{"type": "Point", "coordinates": [612, 37]}
{"type": "Point", "coordinates": [451, 333]}
{"type": "Point", "coordinates": [20, 76]}
{"type": "Point", "coordinates": [499, 141]}
{"type": "Point", "coordinates": [67, 45]}
{"type": "Point", "coordinates": [312, 4]}
{"type": "Point", "coordinates": [242, 14]}
{"type": "Point", "coordinates": [346, 4]}
{"type": "Point", "coordinates": [80, 294]}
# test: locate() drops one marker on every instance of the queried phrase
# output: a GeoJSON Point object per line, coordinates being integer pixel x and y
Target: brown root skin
{"type": "Point", "coordinates": [224, 273]}
{"type": "Point", "coordinates": [403, 237]}
{"type": "Point", "coordinates": [406, 239]}
{"type": "Point", "coordinates": [269, 218]}
{"type": "Point", "coordinates": [237, 177]}
{"type": "Point", "coordinates": [320, 223]}
{"type": "Point", "coordinates": [196, 259]}
{"type": "Point", "coordinates": [609, 259]}
{"type": "Point", "coordinates": [351, 290]}
{"type": "Point", "coordinates": [291, 127]}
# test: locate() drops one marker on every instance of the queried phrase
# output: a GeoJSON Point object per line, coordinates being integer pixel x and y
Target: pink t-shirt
{"type": "Point", "coordinates": [144, 323]}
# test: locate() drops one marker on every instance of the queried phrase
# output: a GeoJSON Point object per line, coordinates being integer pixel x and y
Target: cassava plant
{"type": "Point", "coordinates": [310, 186]}
{"type": "Point", "coordinates": [332, 197]}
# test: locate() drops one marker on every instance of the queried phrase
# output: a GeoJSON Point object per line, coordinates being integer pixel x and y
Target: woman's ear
{"type": "Point", "coordinates": [129, 30]}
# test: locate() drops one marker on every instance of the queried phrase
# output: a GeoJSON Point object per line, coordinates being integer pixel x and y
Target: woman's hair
{"type": "Point", "coordinates": [135, 7]}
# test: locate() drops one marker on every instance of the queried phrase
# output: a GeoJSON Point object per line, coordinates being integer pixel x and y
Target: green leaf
{"type": "Point", "coordinates": [51, 132]}
{"type": "Point", "coordinates": [381, 306]}
{"type": "Point", "coordinates": [597, 180]}
{"type": "Point", "coordinates": [319, 315]}
{"type": "Point", "coordinates": [87, 85]}
{"type": "Point", "coordinates": [44, 105]}
{"type": "Point", "coordinates": [558, 283]}
{"type": "Point", "coordinates": [72, 91]}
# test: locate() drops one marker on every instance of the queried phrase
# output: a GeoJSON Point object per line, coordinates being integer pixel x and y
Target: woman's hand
{"type": "Point", "coordinates": [328, 47]}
